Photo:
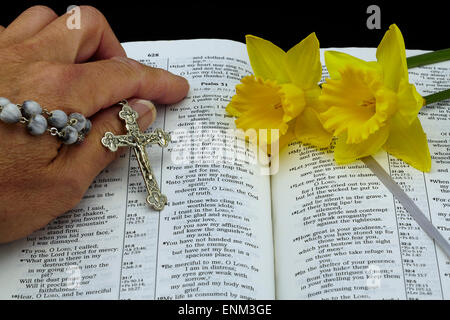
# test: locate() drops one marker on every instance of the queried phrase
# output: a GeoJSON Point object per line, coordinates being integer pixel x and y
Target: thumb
{"type": "Point", "coordinates": [91, 157]}
{"type": "Point", "coordinates": [147, 113]}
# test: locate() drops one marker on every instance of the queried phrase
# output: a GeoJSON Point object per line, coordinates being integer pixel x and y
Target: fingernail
{"type": "Point", "coordinates": [143, 107]}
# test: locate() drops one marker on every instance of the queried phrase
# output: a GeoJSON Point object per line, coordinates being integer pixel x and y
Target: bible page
{"type": "Point", "coordinates": [340, 234]}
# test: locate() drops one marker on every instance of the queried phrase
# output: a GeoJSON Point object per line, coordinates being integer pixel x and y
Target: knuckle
{"type": "Point", "coordinates": [160, 84]}
{"type": "Point", "coordinates": [127, 65]}
{"type": "Point", "coordinates": [91, 11]}
{"type": "Point", "coordinates": [159, 73]}
{"type": "Point", "coordinates": [42, 11]}
{"type": "Point", "coordinates": [92, 17]}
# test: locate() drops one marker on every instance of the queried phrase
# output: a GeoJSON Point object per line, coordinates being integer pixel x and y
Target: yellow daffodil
{"type": "Point", "coordinates": [372, 105]}
{"type": "Point", "coordinates": [282, 94]}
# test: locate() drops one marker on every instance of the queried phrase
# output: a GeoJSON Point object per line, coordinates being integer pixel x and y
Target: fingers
{"type": "Point", "coordinates": [90, 87]}
{"type": "Point", "coordinates": [123, 77]}
{"type": "Point", "coordinates": [81, 34]}
{"type": "Point", "coordinates": [2, 28]}
{"type": "Point", "coordinates": [91, 157]}
{"type": "Point", "coordinates": [28, 24]}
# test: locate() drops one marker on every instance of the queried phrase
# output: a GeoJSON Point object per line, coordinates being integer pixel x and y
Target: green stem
{"type": "Point", "coordinates": [428, 58]}
{"type": "Point", "coordinates": [438, 96]}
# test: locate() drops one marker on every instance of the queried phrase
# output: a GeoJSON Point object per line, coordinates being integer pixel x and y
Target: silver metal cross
{"type": "Point", "coordinates": [138, 140]}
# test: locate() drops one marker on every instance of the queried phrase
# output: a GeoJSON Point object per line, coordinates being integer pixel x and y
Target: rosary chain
{"type": "Point", "coordinates": [53, 131]}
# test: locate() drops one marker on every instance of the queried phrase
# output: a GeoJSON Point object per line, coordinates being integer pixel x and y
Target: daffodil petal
{"type": "Point", "coordinates": [292, 100]}
{"type": "Point", "coordinates": [303, 63]}
{"type": "Point", "coordinates": [312, 98]}
{"type": "Point", "coordinates": [274, 147]}
{"type": "Point", "coordinates": [409, 101]}
{"type": "Point", "coordinates": [267, 60]}
{"type": "Point", "coordinates": [409, 143]}
{"type": "Point", "coordinates": [309, 129]}
{"type": "Point", "coordinates": [336, 61]}
{"type": "Point", "coordinates": [288, 137]}
{"type": "Point", "coordinates": [392, 58]}
{"type": "Point", "coordinates": [258, 119]}
{"type": "Point", "coordinates": [346, 153]}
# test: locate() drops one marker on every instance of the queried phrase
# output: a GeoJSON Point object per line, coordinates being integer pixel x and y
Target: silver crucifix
{"type": "Point", "coordinates": [138, 140]}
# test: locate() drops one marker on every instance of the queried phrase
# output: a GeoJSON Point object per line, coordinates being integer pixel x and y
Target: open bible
{"type": "Point", "coordinates": [310, 230]}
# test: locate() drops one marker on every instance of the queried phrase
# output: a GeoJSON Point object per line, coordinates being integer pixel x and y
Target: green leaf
{"type": "Point", "coordinates": [438, 96]}
{"type": "Point", "coordinates": [428, 58]}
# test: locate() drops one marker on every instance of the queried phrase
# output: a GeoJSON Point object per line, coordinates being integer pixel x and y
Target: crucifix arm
{"type": "Point", "coordinates": [112, 142]}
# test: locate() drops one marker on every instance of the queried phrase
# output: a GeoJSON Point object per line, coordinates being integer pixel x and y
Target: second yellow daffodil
{"type": "Point", "coordinates": [372, 105]}
{"type": "Point", "coordinates": [282, 94]}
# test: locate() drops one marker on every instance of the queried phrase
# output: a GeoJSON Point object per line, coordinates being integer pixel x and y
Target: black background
{"type": "Point", "coordinates": [424, 23]}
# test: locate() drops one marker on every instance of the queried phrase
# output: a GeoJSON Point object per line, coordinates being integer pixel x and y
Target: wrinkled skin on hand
{"type": "Point", "coordinates": [75, 70]}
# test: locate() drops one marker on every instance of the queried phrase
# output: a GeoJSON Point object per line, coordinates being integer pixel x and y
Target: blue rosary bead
{"type": "Point", "coordinates": [31, 108]}
{"type": "Point", "coordinates": [87, 127]}
{"type": "Point", "coordinates": [69, 129]}
{"type": "Point", "coordinates": [58, 119]}
{"type": "Point", "coordinates": [69, 135]}
{"type": "Point", "coordinates": [10, 113]}
{"type": "Point", "coordinates": [80, 123]}
{"type": "Point", "coordinates": [37, 125]}
{"type": "Point", "coordinates": [4, 101]}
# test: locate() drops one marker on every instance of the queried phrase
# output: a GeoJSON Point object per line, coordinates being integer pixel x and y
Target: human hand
{"type": "Point", "coordinates": [83, 71]}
